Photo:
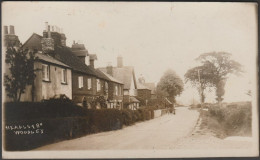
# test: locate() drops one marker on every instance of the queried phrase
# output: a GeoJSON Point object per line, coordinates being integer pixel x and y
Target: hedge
{"type": "Point", "coordinates": [62, 120]}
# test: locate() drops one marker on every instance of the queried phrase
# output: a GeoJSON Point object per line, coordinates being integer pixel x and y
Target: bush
{"type": "Point", "coordinates": [233, 119]}
{"type": "Point", "coordinates": [15, 111]}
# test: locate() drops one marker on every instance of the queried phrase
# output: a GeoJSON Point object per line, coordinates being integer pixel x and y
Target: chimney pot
{"type": "Point", "coordinates": [5, 30]}
{"type": "Point", "coordinates": [12, 29]}
{"type": "Point", "coordinates": [46, 26]}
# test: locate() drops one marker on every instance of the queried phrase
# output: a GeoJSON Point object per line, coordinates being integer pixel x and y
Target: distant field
{"type": "Point", "coordinates": [233, 119]}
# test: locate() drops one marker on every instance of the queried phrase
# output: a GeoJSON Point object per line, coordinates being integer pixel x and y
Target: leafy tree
{"type": "Point", "coordinates": [170, 84]}
{"type": "Point", "coordinates": [219, 66]}
{"type": "Point", "coordinates": [21, 67]}
{"type": "Point", "coordinates": [200, 78]}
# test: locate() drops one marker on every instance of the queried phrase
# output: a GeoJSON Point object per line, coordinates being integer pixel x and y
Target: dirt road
{"type": "Point", "coordinates": [159, 133]}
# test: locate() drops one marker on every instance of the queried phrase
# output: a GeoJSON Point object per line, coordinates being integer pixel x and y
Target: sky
{"type": "Point", "coordinates": [151, 36]}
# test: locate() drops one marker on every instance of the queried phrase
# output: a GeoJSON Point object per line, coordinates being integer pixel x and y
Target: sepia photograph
{"type": "Point", "coordinates": [129, 79]}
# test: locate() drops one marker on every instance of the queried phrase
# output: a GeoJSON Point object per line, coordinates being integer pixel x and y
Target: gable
{"type": "Point", "coordinates": [34, 42]}
{"type": "Point", "coordinates": [124, 74]}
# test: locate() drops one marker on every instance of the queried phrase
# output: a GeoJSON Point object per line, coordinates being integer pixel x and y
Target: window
{"type": "Point", "coordinates": [46, 72]}
{"type": "Point", "coordinates": [98, 85]}
{"type": "Point", "coordinates": [89, 83]}
{"type": "Point", "coordinates": [80, 80]}
{"type": "Point", "coordinates": [63, 76]}
{"type": "Point", "coordinates": [116, 90]}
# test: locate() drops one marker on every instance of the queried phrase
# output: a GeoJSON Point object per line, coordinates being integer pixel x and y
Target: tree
{"type": "Point", "coordinates": [219, 67]}
{"type": "Point", "coordinates": [170, 84]}
{"type": "Point", "coordinates": [21, 67]}
{"type": "Point", "coordinates": [200, 78]}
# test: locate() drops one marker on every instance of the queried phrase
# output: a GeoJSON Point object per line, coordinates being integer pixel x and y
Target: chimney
{"type": "Point", "coordinates": [91, 63]}
{"type": "Point", "coordinates": [10, 39]}
{"type": "Point", "coordinates": [12, 29]}
{"type": "Point", "coordinates": [47, 41]}
{"type": "Point", "coordinates": [119, 61]}
{"type": "Point", "coordinates": [49, 31]}
{"type": "Point", "coordinates": [110, 69]}
{"type": "Point", "coordinates": [63, 39]}
{"type": "Point", "coordinates": [46, 26]}
{"type": "Point", "coordinates": [5, 30]}
{"type": "Point", "coordinates": [92, 58]}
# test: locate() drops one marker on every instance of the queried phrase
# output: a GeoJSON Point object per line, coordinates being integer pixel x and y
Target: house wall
{"type": "Point", "coordinates": [79, 93]}
{"type": "Point", "coordinates": [112, 97]}
{"type": "Point", "coordinates": [54, 86]}
{"type": "Point", "coordinates": [132, 90]}
{"type": "Point", "coordinates": [46, 90]}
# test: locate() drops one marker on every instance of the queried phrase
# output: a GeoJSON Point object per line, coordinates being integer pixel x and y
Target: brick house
{"type": "Point", "coordinates": [143, 94]}
{"type": "Point", "coordinates": [115, 92]}
{"type": "Point", "coordinates": [126, 75]}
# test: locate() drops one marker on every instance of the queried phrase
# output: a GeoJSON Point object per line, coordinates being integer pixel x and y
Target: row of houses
{"type": "Point", "coordinates": [71, 71]}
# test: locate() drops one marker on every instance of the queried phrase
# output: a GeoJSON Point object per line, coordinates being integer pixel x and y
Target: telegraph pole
{"type": "Point", "coordinates": [200, 88]}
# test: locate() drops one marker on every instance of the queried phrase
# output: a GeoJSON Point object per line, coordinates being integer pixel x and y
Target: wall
{"type": "Point", "coordinates": [157, 113]}
{"type": "Point", "coordinates": [132, 90]}
{"type": "Point", "coordinates": [79, 93]}
{"type": "Point", "coordinates": [46, 90]}
{"type": "Point", "coordinates": [55, 87]}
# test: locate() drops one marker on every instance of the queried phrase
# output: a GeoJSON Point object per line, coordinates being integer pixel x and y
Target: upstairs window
{"type": "Point", "coordinates": [80, 81]}
{"type": "Point", "coordinates": [46, 72]}
{"type": "Point", "coordinates": [63, 76]}
{"type": "Point", "coordinates": [89, 83]}
{"type": "Point", "coordinates": [98, 85]}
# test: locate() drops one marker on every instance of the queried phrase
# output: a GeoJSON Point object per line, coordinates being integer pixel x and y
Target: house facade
{"type": "Point", "coordinates": [84, 81]}
{"type": "Point", "coordinates": [51, 74]}
{"type": "Point", "coordinates": [126, 75]}
{"type": "Point", "coordinates": [115, 92]}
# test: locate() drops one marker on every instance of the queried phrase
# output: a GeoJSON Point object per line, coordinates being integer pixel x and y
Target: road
{"type": "Point", "coordinates": [159, 133]}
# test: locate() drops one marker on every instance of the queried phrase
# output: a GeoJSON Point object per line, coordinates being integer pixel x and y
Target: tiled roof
{"type": "Point", "coordinates": [124, 74]}
{"type": "Point", "coordinates": [100, 74]}
{"type": "Point", "coordinates": [79, 50]}
{"type": "Point", "coordinates": [47, 58]}
{"type": "Point", "coordinates": [80, 53]}
{"type": "Point", "coordinates": [111, 78]}
{"type": "Point", "coordinates": [65, 55]}
{"type": "Point", "coordinates": [77, 46]}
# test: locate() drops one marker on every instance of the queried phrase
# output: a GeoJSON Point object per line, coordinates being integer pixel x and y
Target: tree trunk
{"type": "Point", "coordinates": [20, 93]}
